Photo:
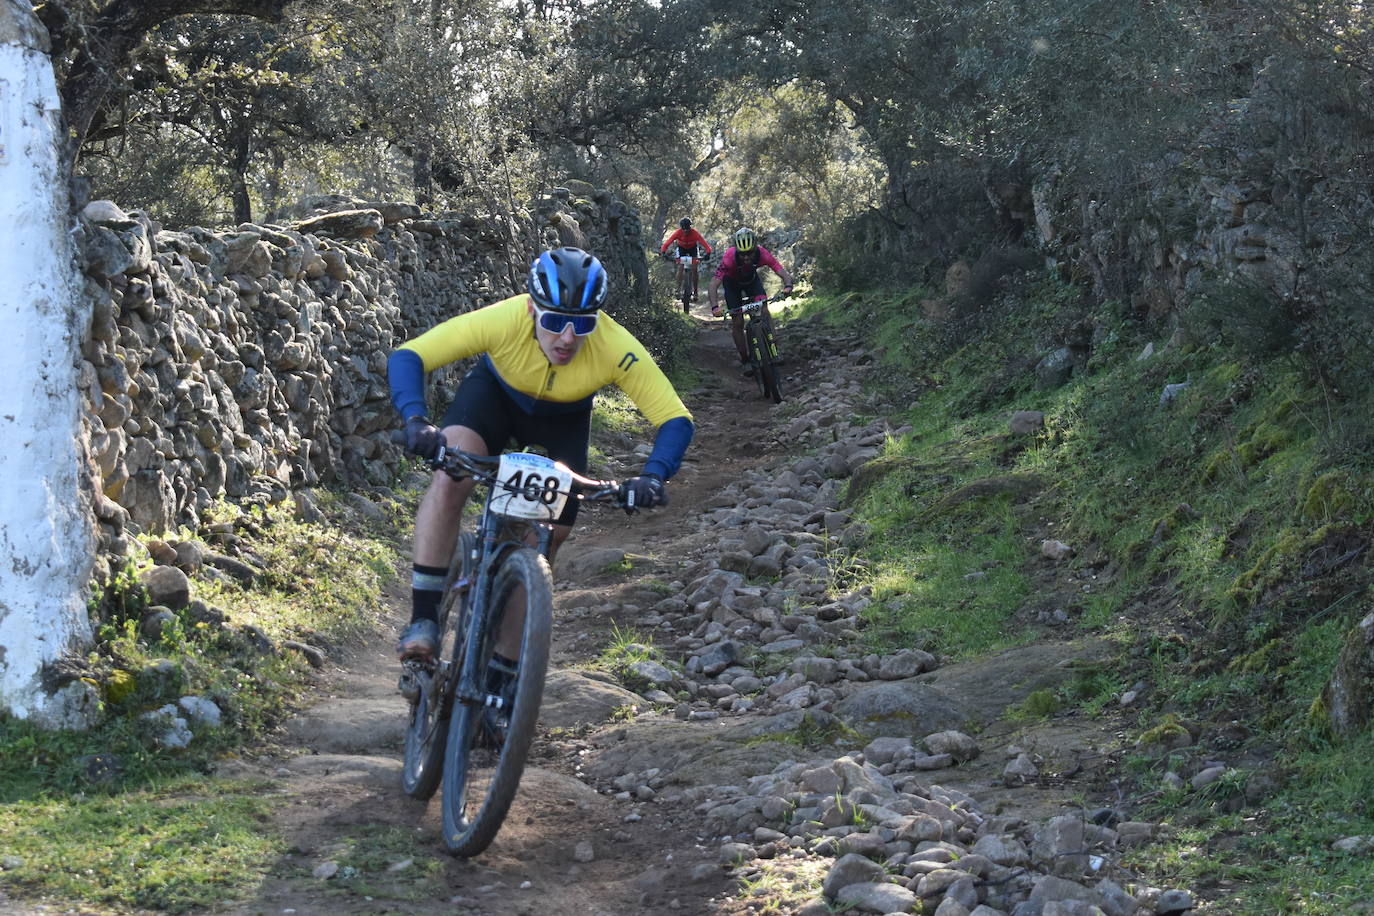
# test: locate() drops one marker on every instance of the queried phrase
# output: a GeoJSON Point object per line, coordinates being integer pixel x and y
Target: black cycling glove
{"type": "Point", "coordinates": [423, 438]}
{"type": "Point", "coordinates": [645, 492]}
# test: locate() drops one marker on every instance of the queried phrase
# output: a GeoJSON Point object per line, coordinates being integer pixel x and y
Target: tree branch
{"type": "Point", "coordinates": [109, 39]}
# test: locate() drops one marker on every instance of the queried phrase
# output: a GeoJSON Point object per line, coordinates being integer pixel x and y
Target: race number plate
{"type": "Point", "coordinates": [530, 486]}
{"type": "Point", "coordinates": [687, 260]}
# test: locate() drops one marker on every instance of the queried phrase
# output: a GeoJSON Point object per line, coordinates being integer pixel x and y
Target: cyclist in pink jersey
{"type": "Point", "coordinates": [738, 275]}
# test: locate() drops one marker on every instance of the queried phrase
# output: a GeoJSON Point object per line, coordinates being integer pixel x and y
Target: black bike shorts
{"type": "Point", "coordinates": [483, 406]}
{"type": "Point", "coordinates": [735, 292]}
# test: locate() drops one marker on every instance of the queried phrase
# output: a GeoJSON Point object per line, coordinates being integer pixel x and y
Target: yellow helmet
{"type": "Point", "coordinates": [744, 239]}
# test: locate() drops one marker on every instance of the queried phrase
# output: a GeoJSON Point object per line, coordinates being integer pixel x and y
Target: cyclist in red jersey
{"type": "Point", "coordinates": [686, 240]}
{"type": "Point", "coordinates": [738, 273]}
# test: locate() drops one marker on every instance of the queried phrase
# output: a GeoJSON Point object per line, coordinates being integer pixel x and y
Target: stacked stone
{"type": "Point", "coordinates": [249, 362]}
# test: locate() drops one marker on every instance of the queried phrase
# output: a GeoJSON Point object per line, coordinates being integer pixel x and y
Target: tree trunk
{"type": "Point", "coordinates": [423, 177]}
{"type": "Point", "coordinates": [241, 143]}
{"type": "Point", "coordinates": [658, 228]}
{"type": "Point", "coordinates": [243, 203]}
{"type": "Point", "coordinates": [45, 514]}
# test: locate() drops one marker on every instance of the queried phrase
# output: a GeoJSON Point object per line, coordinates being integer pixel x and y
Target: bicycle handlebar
{"type": "Point", "coordinates": [461, 465]}
{"type": "Point", "coordinates": [756, 304]}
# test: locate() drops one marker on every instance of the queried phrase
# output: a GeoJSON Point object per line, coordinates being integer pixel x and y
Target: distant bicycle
{"type": "Point", "coordinates": [687, 262]}
{"type": "Point", "coordinates": [463, 731]}
{"type": "Point", "coordinates": [762, 346]}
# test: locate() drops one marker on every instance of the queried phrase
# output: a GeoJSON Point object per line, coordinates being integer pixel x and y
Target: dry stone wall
{"type": "Point", "coordinates": [249, 362]}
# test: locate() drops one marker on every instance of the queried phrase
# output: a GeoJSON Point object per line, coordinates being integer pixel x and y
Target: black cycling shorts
{"type": "Point", "coordinates": [735, 292]}
{"type": "Point", "coordinates": [483, 406]}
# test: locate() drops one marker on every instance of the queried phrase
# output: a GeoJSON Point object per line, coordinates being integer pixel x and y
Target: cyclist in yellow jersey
{"type": "Point", "coordinates": [545, 354]}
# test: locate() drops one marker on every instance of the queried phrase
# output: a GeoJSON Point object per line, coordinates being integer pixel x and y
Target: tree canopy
{"type": "Point", "coordinates": [910, 130]}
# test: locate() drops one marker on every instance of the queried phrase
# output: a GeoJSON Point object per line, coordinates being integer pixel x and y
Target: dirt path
{"type": "Point", "coordinates": [566, 847]}
{"type": "Point", "coordinates": [337, 776]}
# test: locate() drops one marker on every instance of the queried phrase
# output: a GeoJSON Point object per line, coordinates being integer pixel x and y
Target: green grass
{"type": "Point", "coordinates": [395, 863]}
{"type": "Point", "coordinates": [948, 583]}
{"type": "Point", "coordinates": [1276, 858]}
{"type": "Point", "coordinates": [109, 817]}
{"type": "Point", "coordinates": [625, 647]}
{"type": "Point", "coordinates": [316, 579]}
{"type": "Point", "coordinates": [187, 843]}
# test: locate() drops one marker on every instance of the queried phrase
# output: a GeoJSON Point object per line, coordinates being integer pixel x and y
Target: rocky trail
{"type": "Point", "coordinates": [801, 765]}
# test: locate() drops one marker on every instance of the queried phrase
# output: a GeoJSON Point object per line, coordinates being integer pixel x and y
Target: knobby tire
{"type": "Point", "coordinates": [480, 783]}
{"type": "Point", "coordinates": [686, 291]}
{"type": "Point", "coordinates": [755, 345]}
{"type": "Point", "coordinates": [768, 369]}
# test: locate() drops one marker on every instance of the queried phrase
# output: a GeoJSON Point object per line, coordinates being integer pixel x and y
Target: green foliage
{"type": "Point", "coordinates": [367, 859]}
{"type": "Point", "coordinates": [1040, 704]}
{"type": "Point", "coordinates": [812, 733]}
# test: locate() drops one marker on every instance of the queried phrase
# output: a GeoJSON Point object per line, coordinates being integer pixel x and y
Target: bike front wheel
{"type": "Point", "coordinates": [427, 731]}
{"type": "Point", "coordinates": [768, 369]}
{"type": "Point", "coordinates": [480, 780]}
{"type": "Point", "coordinates": [756, 354]}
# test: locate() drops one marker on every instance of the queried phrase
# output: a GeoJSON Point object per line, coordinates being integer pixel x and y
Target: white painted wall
{"type": "Point", "coordinates": [45, 539]}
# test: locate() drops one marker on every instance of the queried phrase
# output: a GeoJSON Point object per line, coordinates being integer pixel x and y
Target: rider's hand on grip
{"type": "Point", "coordinates": [423, 438]}
{"type": "Point", "coordinates": [644, 492]}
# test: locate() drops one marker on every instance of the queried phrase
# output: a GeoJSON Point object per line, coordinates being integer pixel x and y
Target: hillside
{"type": "Point", "coordinates": [885, 557]}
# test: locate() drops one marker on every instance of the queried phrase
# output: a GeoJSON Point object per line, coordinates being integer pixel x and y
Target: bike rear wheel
{"type": "Point", "coordinates": [427, 731]}
{"type": "Point", "coordinates": [480, 782]}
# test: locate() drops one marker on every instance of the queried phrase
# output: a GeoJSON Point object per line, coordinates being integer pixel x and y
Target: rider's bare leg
{"type": "Point", "coordinates": [737, 332]}
{"type": "Point", "coordinates": [441, 510]}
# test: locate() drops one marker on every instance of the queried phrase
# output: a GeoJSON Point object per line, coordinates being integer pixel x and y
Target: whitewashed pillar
{"type": "Point", "coordinates": [45, 536]}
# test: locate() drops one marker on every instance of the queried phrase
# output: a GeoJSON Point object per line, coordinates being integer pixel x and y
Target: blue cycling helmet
{"type": "Point", "coordinates": [567, 280]}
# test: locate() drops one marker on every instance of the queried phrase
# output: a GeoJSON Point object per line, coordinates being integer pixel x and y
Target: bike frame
{"type": "Point", "coordinates": [688, 267]}
{"type": "Point", "coordinates": [491, 550]}
{"type": "Point", "coordinates": [758, 325]}
{"type": "Point", "coordinates": [492, 546]}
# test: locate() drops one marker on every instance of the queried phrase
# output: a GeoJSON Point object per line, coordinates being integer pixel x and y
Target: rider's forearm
{"type": "Point", "coordinates": [670, 444]}
{"type": "Point", "coordinates": [405, 373]}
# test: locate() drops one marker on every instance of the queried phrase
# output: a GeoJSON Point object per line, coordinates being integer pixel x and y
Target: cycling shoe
{"type": "Point", "coordinates": [419, 641]}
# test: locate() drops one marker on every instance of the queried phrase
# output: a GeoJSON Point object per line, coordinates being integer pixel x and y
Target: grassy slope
{"type": "Point", "coordinates": [110, 819]}
{"type": "Point", "coordinates": [1203, 532]}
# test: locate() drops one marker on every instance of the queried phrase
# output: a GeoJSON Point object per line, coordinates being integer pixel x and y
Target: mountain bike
{"type": "Point", "coordinates": [464, 731]}
{"type": "Point", "coordinates": [762, 346]}
{"type": "Point", "coordinates": [687, 285]}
